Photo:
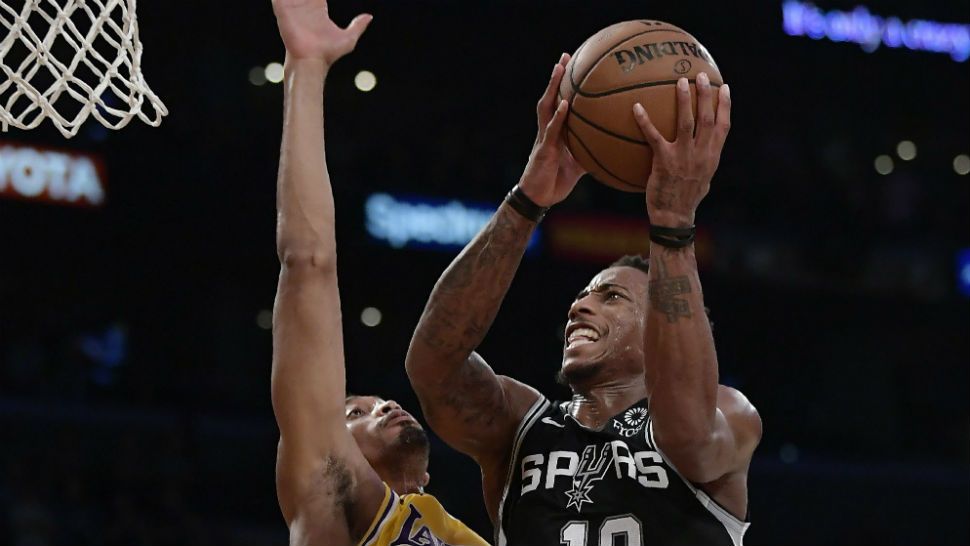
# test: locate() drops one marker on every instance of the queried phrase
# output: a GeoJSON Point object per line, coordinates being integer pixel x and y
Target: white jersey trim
{"type": "Point", "coordinates": [538, 408]}
{"type": "Point", "coordinates": [385, 518]}
{"type": "Point", "coordinates": [734, 526]}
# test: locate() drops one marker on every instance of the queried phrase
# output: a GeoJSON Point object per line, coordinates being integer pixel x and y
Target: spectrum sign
{"type": "Point", "coordinates": [65, 178]}
{"type": "Point", "coordinates": [426, 222]}
{"type": "Point", "coordinates": [871, 31]}
{"type": "Point", "coordinates": [963, 272]}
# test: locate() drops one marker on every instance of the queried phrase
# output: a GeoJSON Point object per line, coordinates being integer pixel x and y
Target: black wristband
{"type": "Point", "coordinates": [518, 200]}
{"type": "Point", "coordinates": [673, 237]}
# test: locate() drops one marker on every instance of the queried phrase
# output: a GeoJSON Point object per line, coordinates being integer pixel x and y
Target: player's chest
{"type": "Point", "coordinates": [581, 469]}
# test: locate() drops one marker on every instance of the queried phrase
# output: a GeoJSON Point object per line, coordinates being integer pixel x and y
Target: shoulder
{"type": "Point", "coordinates": [521, 398]}
{"type": "Point", "coordinates": [420, 515]}
{"type": "Point", "coordinates": [729, 398]}
{"type": "Point", "coordinates": [740, 414]}
{"type": "Point", "coordinates": [388, 511]}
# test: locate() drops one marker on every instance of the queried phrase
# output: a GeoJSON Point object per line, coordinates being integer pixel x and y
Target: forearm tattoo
{"type": "Point", "coordinates": [467, 297]}
{"type": "Point", "coordinates": [665, 290]}
{"type": "Point", "coordinates": [461, 310]}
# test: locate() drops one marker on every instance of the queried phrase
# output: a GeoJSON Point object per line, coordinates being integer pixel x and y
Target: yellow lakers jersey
{"type": "Point", "coordinates": [417, 520]}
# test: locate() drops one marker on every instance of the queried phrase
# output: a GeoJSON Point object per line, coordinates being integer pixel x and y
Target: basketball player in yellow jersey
{"type": "Point", "coordinates": [350, 470]}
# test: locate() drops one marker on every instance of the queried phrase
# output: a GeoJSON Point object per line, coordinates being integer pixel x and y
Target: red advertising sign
{"type": "Point", "coordinates": [52, 176]}
{"type": "Point", "coordinates": [601, 238]}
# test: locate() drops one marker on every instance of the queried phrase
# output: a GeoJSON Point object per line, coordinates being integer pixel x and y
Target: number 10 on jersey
{"type": "Point", "coordinates": [574, 533]}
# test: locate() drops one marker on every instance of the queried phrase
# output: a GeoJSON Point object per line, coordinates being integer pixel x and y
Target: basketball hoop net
{"type": "Point", "coordinates": [70, 59]}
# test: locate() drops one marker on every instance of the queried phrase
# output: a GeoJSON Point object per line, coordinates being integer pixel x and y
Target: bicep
{"type": "Point", "coordinates": [308, 380]}
{"type": "Point", "coordinates": [736, 433]}
{"type": "Point", "coordinates": [473, 409]}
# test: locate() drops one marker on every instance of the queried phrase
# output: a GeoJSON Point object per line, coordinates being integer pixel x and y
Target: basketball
{"type": "Point", "coordinates": [626, 63]}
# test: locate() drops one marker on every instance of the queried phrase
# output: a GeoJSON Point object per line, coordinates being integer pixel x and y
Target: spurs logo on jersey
{"type": "Point", "coordinates": [616, 458]}
{"type": "Point", "coordinates": [591, 487]}
{"type": "Point", "coordinates": [591, 470]}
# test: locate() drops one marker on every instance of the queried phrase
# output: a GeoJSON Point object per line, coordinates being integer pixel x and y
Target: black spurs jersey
{"type": "Point", "coordinates": [572, 486]}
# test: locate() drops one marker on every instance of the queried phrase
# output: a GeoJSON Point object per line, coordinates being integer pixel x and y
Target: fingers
{"type": "Point", "coordinates": [357, 27]}
{"type": "Point", "coordinates": [685, 112]}
{"type": "Point", "coordinates": [547, 104]}
{"type": "Point", "coordinates": [572, 166]}
{"type": "Point", "coordinates": [705, 110]}
{"type": "Point", "coordinates": [553, 133]}
{"type": "Point", "coordinates": [650, 132]}
{"type": "Point", "coordinates": [723, 123]}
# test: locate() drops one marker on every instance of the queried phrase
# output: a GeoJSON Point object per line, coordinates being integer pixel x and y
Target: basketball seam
{"type": "Point", "coordinates": [578, 92]}
{"type": "Point", "coordinates": [618, 135]}
{"type": "Point", "coordinates": [597, 161]}
{"type": "Point", "coordinates": [660, 83]}
{"type": "Point", "coordinates": [572, 70]}
{"type": "Point", "coordinates": [611, 133]}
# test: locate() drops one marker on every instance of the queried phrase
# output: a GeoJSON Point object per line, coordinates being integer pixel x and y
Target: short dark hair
{"type": "Point", "coordinates": [633, 260]}
{"type": "Point", "coordinates": [639, 262]}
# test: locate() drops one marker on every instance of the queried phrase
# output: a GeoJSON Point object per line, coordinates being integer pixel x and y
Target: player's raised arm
{"type": "Point", "coordinates": [324, 484]}
{"type": "Point", "coordinates": [707, 432]}
{"type": "Point", "coordinates": [466, 403]}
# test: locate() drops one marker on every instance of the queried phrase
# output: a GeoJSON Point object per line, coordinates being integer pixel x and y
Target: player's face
{"type": "Point", "coordinates": [378, 425]}
{"type": "Point", "coordinates": [606, 323]}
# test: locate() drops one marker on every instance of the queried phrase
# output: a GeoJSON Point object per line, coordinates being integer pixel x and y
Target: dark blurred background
{"type": "Point", "coordinates": [134, 349]}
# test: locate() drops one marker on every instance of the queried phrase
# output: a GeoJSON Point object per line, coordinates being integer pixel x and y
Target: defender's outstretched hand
{"type": "Point", "coordinates": [552, 172]}
{"type": "Point", "coordinates": [309, 33]}
{"type": "Point", "coordinates": [682, 169]}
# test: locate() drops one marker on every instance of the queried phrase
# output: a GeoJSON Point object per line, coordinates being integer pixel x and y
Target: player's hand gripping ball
{"type": "Point", "coordinates": [619, 66]}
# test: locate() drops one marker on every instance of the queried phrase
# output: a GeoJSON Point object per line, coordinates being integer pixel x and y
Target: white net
{"type": "Point", "coordinates": [67, 60]}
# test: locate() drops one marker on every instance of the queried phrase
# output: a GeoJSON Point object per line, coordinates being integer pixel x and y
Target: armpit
{"type": "Point", "coordinates": [334, 485]}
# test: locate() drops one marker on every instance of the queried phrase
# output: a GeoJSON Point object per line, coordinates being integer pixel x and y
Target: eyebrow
{"type": "Point", "coordinates": [600, 288]}
{"type": "Point", "coordinates": [352, 400]}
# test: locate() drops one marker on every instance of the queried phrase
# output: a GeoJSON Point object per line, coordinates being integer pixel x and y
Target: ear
{"type": "Point", "coordinates": [425, 479]}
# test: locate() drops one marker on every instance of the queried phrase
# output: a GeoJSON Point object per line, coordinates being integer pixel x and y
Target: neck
{"type": "Point", "coordinates": [405, 476]}
{"type": "Point", "coordinates": [593, 405]}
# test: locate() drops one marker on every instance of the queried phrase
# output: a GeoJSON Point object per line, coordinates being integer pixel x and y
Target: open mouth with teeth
{"type": "Point", "coordinates": [581, 336]}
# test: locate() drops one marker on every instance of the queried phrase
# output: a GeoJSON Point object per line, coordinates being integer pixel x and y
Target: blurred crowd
{"type": "Point", "coordinates": [69, 490]}
{"type": "Point", "coordinates": [117, 478]}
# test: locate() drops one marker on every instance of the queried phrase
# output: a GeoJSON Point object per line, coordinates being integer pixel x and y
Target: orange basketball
{"type": "Point", "coordinates": [626, 63]}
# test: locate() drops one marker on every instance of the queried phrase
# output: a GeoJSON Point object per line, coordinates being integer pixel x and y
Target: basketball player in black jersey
{"type": "Point", "coordinates": [650, 450]}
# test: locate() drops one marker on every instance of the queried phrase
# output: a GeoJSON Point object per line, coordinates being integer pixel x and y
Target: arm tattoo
{"type": "Point", "coordinates": [470, 393]}
{"type": "Point", "coordinates": [460, 311]}
{"type": "Point", "coordinates": [663, 293]}
{"type": "Point", "coordinates": [663, 194]}
{"type": "Point", "coordinates": [468, 295]}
